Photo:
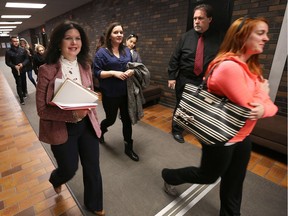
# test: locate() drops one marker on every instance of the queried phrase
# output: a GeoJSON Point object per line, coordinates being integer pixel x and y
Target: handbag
{"type": "Point", "coordinates": [210, 118]}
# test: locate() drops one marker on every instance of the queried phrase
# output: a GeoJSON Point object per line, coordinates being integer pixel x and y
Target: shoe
{"type": "Point", "coordinates": [169, 189]}
{"type": "Point", "coordinates": [101, 139]}
{"type": "Point", "coordinates": [99, 213]}
{"type": "Point", "coordinates": [22, 102]}
{"type": "Point", "coordinates": [131, 154]}
{"type": "Point", "coordinates": [25, 97]}
{"type": "Point", "coordinates": [58, 189]}
{"type": "Point", "coordinates": [129, 151]}
{"type": "Point", "coordinates": [179, 138]}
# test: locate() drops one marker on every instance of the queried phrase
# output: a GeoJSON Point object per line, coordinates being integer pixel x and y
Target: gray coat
{"type": "Point", "coordinates": [135, 84]}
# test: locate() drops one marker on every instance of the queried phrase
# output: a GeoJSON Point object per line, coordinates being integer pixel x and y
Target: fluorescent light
{"type": "Point", "coordinates": [7, 30]}
{"type": "Point", "coordinates": [24, 5]}
{"type": "Point", "coordinates": [4, 35]}
{"type": "Point", "coordinates": [9, 27]}
{"type": "Point", "coordinates": [16, 16]}
{"type": "Point", "coordinates": [10, 23]}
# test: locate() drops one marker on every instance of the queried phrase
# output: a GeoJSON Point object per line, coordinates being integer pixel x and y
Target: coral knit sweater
{"type": "Point", "coordinates": [234, 80]}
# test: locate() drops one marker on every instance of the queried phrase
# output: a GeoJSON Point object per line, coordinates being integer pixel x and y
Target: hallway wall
{"type": "Point", "coordinates": [160, 24]}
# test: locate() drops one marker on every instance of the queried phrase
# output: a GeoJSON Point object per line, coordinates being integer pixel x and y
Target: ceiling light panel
{"type": "Point", "coordinates": [16, 16]}
{"type": "Point", "coordinates": [10, 23]}
{"type": "Point", "coordinates": [7, 30]}
{"type": "Point", "coordinates": [24, 5]}
{"type": "Point", "coordinates": [9, 27]}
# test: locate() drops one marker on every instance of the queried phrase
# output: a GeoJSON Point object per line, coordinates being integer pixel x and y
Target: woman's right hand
{"type": "Point", "coordinates": [80, 114]}
{"type": "Point", "coordinates": [265, 86]}
{"type": "Point", "coordinates": [257, 111]}
{"type": "Point", "coordinates": [120, 75]}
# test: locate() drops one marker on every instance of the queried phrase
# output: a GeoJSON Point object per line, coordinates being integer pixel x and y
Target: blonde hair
{"type": "Point", "coordinates": [37, 46]}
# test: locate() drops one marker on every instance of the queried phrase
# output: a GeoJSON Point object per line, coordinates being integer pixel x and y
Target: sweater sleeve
{"type": "Point", "coordinates": [270, 109]}
{"type": "Point", "coordinates": [240, 86]}
{"type": "Point", "coordinates": [229, 80]}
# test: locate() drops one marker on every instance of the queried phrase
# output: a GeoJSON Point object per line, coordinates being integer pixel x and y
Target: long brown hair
{"type": "Point", "coordinates": [234, 43]}
{"type": "Point", "coordinates": [108, 43]}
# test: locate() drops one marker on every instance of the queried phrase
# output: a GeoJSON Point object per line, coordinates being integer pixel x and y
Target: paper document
{"type": "Point", "coordinates": [71, 95]}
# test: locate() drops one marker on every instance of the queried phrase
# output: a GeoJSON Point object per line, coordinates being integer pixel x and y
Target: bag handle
{"type": "Point", "coordinates": [203, 85]}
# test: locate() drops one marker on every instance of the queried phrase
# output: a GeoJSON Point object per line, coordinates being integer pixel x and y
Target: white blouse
{"type": "Point", "coordinates": [70, 69]}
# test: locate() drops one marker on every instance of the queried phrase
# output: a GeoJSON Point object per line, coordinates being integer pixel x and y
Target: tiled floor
{"type": "Point", "coordinates": [25, 166]}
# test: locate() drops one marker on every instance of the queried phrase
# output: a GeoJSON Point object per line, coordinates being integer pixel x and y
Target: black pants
{"type": "Point", "coordinates": [228, 162]}
{"type": "Point", "coordinates": [111, 106]}
{"type": "Point", "coordinates": [21, 84]}
{"type": "Point", "coordinates": [82, 141]}
{"type": "Point", "coordinates": [180, 84]}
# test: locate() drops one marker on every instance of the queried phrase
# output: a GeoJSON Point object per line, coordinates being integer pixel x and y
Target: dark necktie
{"type": "Point", "coordinates": [198, 65]}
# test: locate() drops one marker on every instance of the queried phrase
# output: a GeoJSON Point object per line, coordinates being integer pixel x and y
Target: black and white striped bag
{"type": "Point", "coordinates": [212, 119]}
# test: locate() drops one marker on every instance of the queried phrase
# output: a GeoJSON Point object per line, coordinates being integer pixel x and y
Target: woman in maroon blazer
{"type": "Point", "coordinates": [73, 134]}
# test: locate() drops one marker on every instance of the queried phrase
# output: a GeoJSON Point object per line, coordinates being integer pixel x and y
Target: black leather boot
{"type": "Point", "coordinates": [129, 151]}
{"type": "Point", "coordinates": [101, 139]}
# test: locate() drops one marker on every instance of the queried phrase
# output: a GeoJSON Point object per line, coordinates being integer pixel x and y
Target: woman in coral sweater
{"type": "Point", "coordinates": [237, 76]}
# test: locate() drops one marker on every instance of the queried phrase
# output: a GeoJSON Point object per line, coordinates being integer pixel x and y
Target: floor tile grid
{"type": "Point", "coordinates": [25, 166]}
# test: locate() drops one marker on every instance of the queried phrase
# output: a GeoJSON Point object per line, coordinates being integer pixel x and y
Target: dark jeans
{"type": "Point", "coordinates": [180, 84]}
{"type": "Point", "coordinates": [82, 142]}
{"type": "Point", "coordinates": [30, 76]}
{"type": "Point", "coordinates": [111, 106]}
{"type": "Point", "coordinates": [228, 162]}
{"type": "Point", "coordinates": [21, 84]}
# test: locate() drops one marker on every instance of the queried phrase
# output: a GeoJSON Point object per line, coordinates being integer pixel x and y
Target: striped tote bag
{"type": "Point", "coordinates": [211, 119]}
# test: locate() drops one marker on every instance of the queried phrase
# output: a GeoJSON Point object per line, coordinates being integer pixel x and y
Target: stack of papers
{"type": "Point", "coordinates": [72, 96]}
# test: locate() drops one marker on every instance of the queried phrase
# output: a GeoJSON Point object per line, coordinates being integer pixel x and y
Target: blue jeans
{"type": "Point", "coordinates": [30, 76]}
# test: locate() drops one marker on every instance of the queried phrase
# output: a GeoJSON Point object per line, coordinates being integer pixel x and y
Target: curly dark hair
{"type": "Point", "coordinates": [53, 52]}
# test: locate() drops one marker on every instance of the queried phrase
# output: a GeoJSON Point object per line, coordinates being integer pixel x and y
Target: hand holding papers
{"type": "Point", "coordinates": [72, 96]}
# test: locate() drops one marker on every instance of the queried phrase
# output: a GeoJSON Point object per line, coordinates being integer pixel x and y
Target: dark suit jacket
{"type": "Point", "coordinates": [52, 126]}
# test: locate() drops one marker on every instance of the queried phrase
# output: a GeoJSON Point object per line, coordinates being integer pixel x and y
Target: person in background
{"type": "Point", "coordinates": [182, 65]}
{"type": "Point", "coordinates": [28, 67]}
{"type": "Point", "coordinates": [100, 42]}
{"type": "Point", "coordinates": [38, 58]}
{"type": "Point", "coordinates": [131, 42]}
{"type": "Point", "coordinates": [237, 76]}
{"type": "Point", "coordinates": [73, 134]}
{"type": "Point", "coordinates": [110, 67]}
{"type": "Point", "coordinates": [16, 58]}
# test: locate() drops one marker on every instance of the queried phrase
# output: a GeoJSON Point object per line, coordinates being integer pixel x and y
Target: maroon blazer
{"type": "Point", "coordinates": [52, 125]}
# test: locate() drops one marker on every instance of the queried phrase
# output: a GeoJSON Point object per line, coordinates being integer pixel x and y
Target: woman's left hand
{"type": "Point", "coordinates": [129, 72]}
{"type": "Point", "coordinates": [256, 112]}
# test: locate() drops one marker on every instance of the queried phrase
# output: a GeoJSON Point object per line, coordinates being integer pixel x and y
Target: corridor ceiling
{"type": "Point", "coordinates": [38, 17]}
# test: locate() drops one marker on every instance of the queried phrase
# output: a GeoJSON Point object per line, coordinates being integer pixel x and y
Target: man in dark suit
{"type": "Point", "coordinates": [16, 58]}
{"type": "Point", "coordinates": [181, 68]}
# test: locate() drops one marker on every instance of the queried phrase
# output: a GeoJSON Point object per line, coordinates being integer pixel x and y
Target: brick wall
{"type": "Point", "coordinates": [159, 24]}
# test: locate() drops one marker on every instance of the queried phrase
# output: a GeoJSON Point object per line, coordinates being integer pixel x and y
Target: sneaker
{"type": "Point", "coordinates": [22, 102]}
{"type": "Point", "coordinates": [25, 96]}
{"type": "Point", "coordinates": [170, 189]}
